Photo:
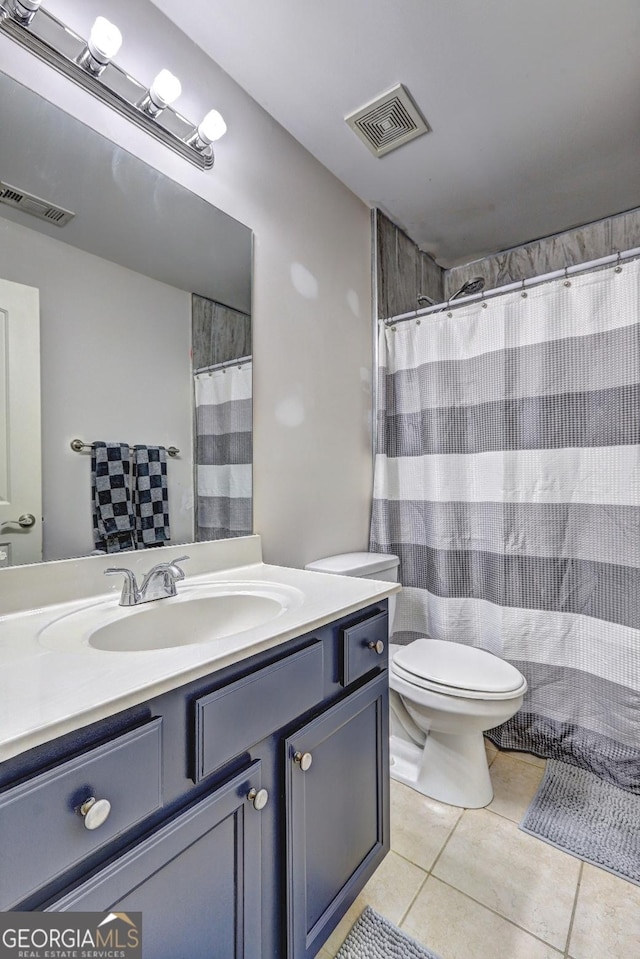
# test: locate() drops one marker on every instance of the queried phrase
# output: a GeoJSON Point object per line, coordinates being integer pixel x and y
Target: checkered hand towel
{"type": "Point", "coordinates": [113, 519]}
{"type": "Point", "coordinates": [150, 495]}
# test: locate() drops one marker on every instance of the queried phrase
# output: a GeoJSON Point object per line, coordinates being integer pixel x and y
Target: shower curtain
{"type": "Point", "coordinates": [507, 480]}
{"type": "Point", "coordinates": [223, 452]}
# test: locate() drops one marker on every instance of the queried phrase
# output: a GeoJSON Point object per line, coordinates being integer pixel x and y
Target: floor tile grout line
{"type": "Point", "coordinates": [483, 905]}
{"type": "Point", "coordinates": [417, 864]}
{"type": "Point", "coordinates": [410, 862]}
{"type": "Point", "coordinates": [519, 754]}
{"type": "Point", "coordinates": [428, 871]}
{"type": "Point", "coordinates": [558, 848]}
{"type": "Point", "coordinates": [408, 909]}
{"type": "Point", "coordinates": [527, 762]}
{"type": "Point", "coordinates": [447, 841]}
{"type": "Point", "coordinates": [516, 822]}
{"type": "Point", "coordinates": [573, 911]}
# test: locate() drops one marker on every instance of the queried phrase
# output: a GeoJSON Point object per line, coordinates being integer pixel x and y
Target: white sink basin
{"type": "Point", "coordinates": [198, 614]}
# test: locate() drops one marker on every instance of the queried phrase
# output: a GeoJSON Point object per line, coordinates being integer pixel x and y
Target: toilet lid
{"type": "Point", "coordinates": [458, 666]}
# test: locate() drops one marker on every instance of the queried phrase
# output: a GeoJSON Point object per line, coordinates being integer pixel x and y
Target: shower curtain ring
{"type": "Point", "coordinates": [618, 267]}
{"type": "Point", "coordinates": [567, 281]}
{"type": "Point", "coordinates": [523, 293]}
{"type": "Point", "coordinates": [482, 301]}
{"type": "Point", "coordinates": [450, 313]}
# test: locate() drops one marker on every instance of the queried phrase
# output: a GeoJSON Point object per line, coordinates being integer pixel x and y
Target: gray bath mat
{"type": "Point", "coordinates": [587, 817]}
{"type": "Point", "coordinates": [374, 937]}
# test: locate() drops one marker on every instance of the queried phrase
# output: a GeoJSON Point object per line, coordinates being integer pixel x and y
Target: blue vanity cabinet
{"type": "Point", "coordinates": [337, 803]}
{"type": "Point", "coordinates": [224, 837]}
{"type": "Point", "coordinates": [196, 880]}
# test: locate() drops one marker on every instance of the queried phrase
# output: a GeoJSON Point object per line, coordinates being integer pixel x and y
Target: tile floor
{"type": "Point", "coordinates": [470, 885]}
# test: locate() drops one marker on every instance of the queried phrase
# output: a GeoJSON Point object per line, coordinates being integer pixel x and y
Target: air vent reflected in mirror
{"type": "Point", "coordinates": [34, 205]}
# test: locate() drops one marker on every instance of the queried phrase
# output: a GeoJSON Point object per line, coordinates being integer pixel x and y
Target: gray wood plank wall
{"type": "Point", "coordinates": [404, 270]}
{"type": "Point", "coordinates": [611, 235]}
{"type": "Point", "coordinates": [218, 333]}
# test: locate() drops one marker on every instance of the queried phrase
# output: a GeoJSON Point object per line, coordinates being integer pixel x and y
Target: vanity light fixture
{"type": "Point", "coordinates": [89, 63]}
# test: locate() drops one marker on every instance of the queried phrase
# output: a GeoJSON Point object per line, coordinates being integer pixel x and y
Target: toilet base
{"type": "Point", "coordinates": [450, 768]}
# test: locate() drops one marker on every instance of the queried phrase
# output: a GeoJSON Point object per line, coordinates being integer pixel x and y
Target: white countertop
{"type": "Point", "coordinates": [45, 693]}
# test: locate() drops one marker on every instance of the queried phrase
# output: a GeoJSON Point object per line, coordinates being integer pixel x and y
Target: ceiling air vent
{"type": "Point", "coordinates": [28, 203]}
{"type": "Point", "coordinates": [388, 122]}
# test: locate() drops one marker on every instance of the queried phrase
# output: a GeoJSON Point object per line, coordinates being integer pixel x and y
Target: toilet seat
{"type": "Point", "coordinates": [455, 669]}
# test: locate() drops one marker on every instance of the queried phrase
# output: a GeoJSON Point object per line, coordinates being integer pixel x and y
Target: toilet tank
{"type": "Point", "coordinates": [382, 566]}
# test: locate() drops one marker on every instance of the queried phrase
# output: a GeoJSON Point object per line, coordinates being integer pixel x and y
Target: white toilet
{"type": "Point", "coordinates": [443, 696]}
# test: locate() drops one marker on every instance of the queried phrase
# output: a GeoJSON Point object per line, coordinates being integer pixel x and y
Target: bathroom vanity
{"type": "Point", "coordinates": [233, 791]}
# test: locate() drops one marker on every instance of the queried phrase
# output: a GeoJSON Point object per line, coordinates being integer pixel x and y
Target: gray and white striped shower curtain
{"type": "Point", "coordinates": [223, 415]}
{"type": "Point", "coordinates": [508, 481]}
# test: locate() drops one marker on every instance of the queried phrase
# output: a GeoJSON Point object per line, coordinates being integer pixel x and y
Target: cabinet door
{"type": "Point", "coordinates": [337, 812]}
{"type": "Point", "coordinates": [196, 880]}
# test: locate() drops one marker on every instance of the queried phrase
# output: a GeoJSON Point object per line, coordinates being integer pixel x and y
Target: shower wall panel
{"type": "Point", "coordinates": [613, 234]}
{"type": "Point", "coordinates": [404, 271]}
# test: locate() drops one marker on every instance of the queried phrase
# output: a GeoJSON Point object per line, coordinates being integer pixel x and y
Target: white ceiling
{"type": "Point", "coordinates": [534, 106]}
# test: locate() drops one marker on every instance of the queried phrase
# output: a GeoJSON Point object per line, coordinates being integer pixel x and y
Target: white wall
{"type": "Point", "coordinates": [312, 299]}
{"type": "Point", "coordinates": [94, 387]}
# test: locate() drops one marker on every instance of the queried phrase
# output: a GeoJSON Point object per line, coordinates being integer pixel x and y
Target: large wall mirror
{"type": "Point", "coordinates": [144, 286]}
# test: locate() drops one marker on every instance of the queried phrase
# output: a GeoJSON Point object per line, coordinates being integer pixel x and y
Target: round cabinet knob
{"type": "Point", "coordinates": [95, 812]}
{"type": "Point", "coordinates": [304, 760]}
{"type": "Point", "coordinates": [379, 647]}
{"type": "Point", "coordinates": [259, 798]}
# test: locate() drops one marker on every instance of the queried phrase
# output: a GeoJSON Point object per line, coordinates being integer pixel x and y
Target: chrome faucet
{"type": "Point", "coordinates": [158, 583]}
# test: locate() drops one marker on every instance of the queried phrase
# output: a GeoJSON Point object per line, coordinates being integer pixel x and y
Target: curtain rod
{"type": "Point", "coordinates": [220, 366]}
{"type": "Point", "coordinates": [518, 285]}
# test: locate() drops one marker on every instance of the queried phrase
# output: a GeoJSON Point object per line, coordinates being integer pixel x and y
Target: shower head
{"type": "Point", "coordinates": [423, 298]}
{"type": "Point", "coordinates": [470, 287]}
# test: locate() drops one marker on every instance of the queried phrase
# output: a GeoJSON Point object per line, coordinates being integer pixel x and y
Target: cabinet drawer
{"type": "Point", "coordinates": [358, 652]}
{"type": "Point", "coordinates": [42, 832]}
{"type": "Point", "coordinates": [236, 717]}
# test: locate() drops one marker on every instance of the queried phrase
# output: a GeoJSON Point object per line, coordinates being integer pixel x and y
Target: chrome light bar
{"type": "Point", "coordinates": [53, 42]}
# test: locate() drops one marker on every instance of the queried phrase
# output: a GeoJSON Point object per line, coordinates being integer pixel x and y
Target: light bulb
{"type": "Point", "coordinates": [165, 89]}
{"type": "Point", "coordinates": [212, 127]}
{"type": "Point", "coordinates": [23, 11]}
{"type": "Point", "coordinates": [104, 40]}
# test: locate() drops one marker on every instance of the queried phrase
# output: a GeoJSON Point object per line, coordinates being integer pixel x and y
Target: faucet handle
{"type": "Point", "coordinates": [130, 594]}
{"type": "Point", "coordinates": [173, 565]}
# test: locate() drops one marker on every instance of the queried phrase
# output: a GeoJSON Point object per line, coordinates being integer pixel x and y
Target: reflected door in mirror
{"type": "Point", "coordinates": [20, 456]}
